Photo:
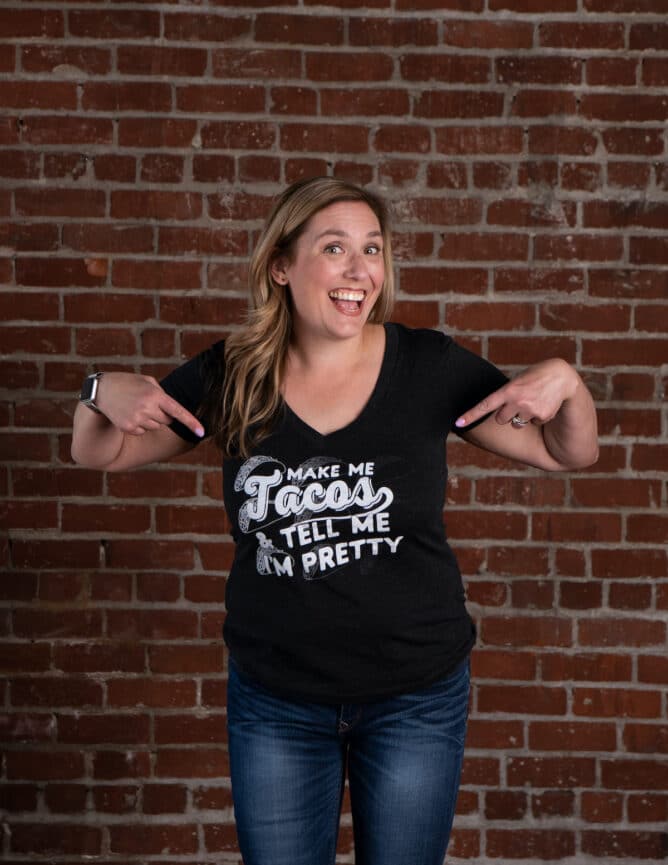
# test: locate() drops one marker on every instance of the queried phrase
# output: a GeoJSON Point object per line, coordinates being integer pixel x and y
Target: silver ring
{"type": "Point", "coordinates": [518, 423]}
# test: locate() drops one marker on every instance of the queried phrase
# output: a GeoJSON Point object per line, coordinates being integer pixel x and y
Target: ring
{"type": "Point", "coordinates": [517, 422]}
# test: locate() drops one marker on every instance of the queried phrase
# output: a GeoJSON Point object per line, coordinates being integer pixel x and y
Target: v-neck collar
{"type": "Point", "coordinates": [380, 386]}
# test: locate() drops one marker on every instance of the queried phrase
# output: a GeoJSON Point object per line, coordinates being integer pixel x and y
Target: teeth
{"type": "Point", "coordinates": [342, 294]}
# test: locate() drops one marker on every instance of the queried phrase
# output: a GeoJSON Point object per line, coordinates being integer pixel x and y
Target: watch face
{"type": "Point", "coordinates": [88, 388]}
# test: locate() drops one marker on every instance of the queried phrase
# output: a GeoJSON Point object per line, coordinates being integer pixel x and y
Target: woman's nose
{"type": "Point", "coordinates": [354, 264]}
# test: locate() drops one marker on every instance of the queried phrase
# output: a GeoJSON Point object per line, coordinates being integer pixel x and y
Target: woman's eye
{"type": "Point", "coordinates": [333, 248]}
{"type": "Point", "coordinates": [373, 250]}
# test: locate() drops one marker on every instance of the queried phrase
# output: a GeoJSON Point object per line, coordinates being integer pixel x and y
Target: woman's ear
{"type": "Point", "coordinates": [278, 270]}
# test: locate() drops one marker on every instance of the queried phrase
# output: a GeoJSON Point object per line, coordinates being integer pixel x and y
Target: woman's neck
{"type": "Point", "coordinates": [313, 354]}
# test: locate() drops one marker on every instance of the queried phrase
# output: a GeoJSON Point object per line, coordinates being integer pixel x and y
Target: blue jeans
{"type": "Point", "coordinates": [288, 764]}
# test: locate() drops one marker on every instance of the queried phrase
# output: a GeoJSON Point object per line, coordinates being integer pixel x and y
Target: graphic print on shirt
{"type": "Point", "coordinates": [312, 520]}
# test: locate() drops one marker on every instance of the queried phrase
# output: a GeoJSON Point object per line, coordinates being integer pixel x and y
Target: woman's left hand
{"type": "Point", "coordinates": [545, 417]}
{"type": "Point", "coordinates": [535, 395]}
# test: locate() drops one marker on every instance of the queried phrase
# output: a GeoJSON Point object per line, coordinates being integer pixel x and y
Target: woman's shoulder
{"type": "Point", "coordinates": [420, 340]}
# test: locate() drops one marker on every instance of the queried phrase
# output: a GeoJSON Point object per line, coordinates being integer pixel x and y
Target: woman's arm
{"type": "Point", "coordinates": [562, 433]}
{"type": "Point", "coordinates": [133, 429]}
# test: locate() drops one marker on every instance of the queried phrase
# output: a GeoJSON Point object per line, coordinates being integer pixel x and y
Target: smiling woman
{"type": "Point", "coordinates": [346, 621]}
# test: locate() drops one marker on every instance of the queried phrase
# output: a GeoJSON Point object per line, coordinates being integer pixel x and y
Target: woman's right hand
{"type": "Point", "coordinates": [136, 404]}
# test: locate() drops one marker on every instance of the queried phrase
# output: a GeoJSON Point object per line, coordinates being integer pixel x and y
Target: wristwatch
{"type": "Point", "coordinates": [89, 391]}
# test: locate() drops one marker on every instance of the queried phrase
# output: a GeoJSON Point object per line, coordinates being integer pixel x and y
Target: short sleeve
{"type": "Point", "coordinates": [188, 385]}
{"type": "Point", "coordinates": [470, 378]}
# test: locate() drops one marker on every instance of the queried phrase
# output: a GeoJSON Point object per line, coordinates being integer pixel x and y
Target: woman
{"type": "Point", "coordinates": [346, 625]}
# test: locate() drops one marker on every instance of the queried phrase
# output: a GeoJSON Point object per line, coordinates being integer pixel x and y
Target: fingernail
{"type": "Point", "coordinates": [200, 432]}
{"type": "Point", "coordinates": [460, 421]}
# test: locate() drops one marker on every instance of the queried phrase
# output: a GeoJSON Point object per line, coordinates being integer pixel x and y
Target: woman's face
{"type": "Point", "coordinates": [335, 273]}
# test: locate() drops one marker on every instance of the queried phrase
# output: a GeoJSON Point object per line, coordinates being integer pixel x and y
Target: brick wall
{"type": "Point", "coordinates": [523, 146]}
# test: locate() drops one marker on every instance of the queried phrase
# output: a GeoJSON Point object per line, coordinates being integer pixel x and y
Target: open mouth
{"type": "Point", "coordinates": [347, 300]}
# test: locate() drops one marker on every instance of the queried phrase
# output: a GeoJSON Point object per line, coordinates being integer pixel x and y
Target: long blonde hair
{"type": "Point", "coordinates": [255, 356]}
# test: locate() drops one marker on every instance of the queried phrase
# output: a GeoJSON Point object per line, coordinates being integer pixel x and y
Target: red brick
{"type": "Point", "coordinates": [634, 774]}
{"type": "Point", "coordinates": [624, 107]}
{"type": "Point", "coordinates": [241, 63]}
{"type": "Point", "coordinates": [43, 129]}
{"type": "Point", "coordinates": [566, 772]}
{"type": "Point", "coordinates": [581, 175]}
{"type": "Point", "coordinates": [616, 703]}
{"type": "Point", "coordinates": [508, 211]}
{"type": "Point", "coordinates": [19, 164]}
{"type": "Point", "coordinates": [651, 35]}
{"type": "Point", "coordinates": [526, 631]}
{"type": "Point", "coordinates": [254, 169]}
{"type": "Point", "coordinates": [116, 799]}
{"type": "Point", "coordinates": [632, 141]}
{"type": "Point", "coordinates": [445, 67]}
{"type": "Point", "coordinates": [365, 103]}
{"type": "Point", "coordinates": [648, 250]}
{"type": "Point", "coordinates": [567, 526]}
{"type": "Point", "coordinates": [580, 596]}
{"type": "Point", "coordinates": [535, 280]}
{"type": "Point", "coordinates": [151, 692]}
{"type": "Point", "coordinates": [161, 60]}
{"type": "Point", "coordinates": [465, 140]}
{"type": "Point", "coordinates": [483, 247]}
{"type": "Point", "coordinates": [190, 659]}
{"type": "Point", "coordinates": [576, 317]}
{"type": "Point", "coordinates": [181, 729]}
{"type": "Point", "coordinates": [402, 139]}
{"type": "Point", "coordinates": [505, 805]}
{"type": "Point", "coordinates": [611, 71]}
{"type": "Point", "coordinates": [53, 839]}
{"type": "Point", "coordinates": [223, 837]}
{"type": "Point", "coordinates": [32, 24]}
{"type": "Point", "coordinates": [126, 96]}
{"type": "Point", "coordinates": [204, 241]}
{"type": "Point", "coordinates": [49, 95]}
{"type": "Point", "coordinates": [205, 28]}
{"type": "Point", "coordinates": [480, 770]}
{"type": "Point", "coordinates": [60, 202]}
{"type": "Point", "coordinates": [18, 797]}
{"type": "Point", "coordinates": [65, 798]}
{"type": "Point", "coordinates": [133, 729]}
{"type": "Point", "coordinates": [492, 175]}
{"type": "Point", "coordinates": [534, 6]}
{"type": "Point", "coordinates": [107, 341]}
{"type": "Point", "coordinates": [153, 274]}
{"type": "Point", "coordinates": [111, 166]}
{"type": "Point", "coordinates": [237, 135]}
{"type": "Point", "coordinates": [581, 35]}
{"type": "Point", "coordinates": [190, 763]}
{"type": "Point", "coordinates": [522, 699]}
{"type": "Point", "coordinates": [553, 803]}
{"type": "Point", "coordinates": [114, 24]}
{"type": "Point", "coordinates": [48, 58]}
{"type": "Point", "coordinates": [562, 139]}
{"type": "Point", "coordinates": [324, 137]}
{"type": "Point", "coordinates": [37, 765]}
{"type": "Point", "coordinates": [602, 807]}
{"type": "Point", "coordinates": [654, 72]}
{"type": "Point", "coordinates": [153, 839]}
{"type": "Point", "coordinates": [647, 808]}
{"type": "Point", "coordinates": [164, 798]}
{"type": "Point", "coordinates": [528, 843]}
{"type": "Point", "coordinates": [628, 174]}
{"type": "Point", "coordinates": [23, 658]}
{"type": "Point", "coordinates": [293, 100]}
{"type": "Point", "coordinates": [299, 29]}
{"type": "Point", "coordinates": [108, 238]}
{"type": "Point", "coordinates": [155, 483]}
{"type": "Point", "coordinates": [647, 528]}
{"type": "Point", "coordinates": [506, 35]}
{"type": "Point", "coordinates": [495, 734]}
{"type": "Point", "coordinates": [392, 32]}
{"type": "Point", "coordinates": [114, 765]}
{"type": "Point", "coordinates": [623, 282]}
{"type": "Point", "coordinates": [162, 624]}
{"type": "Point", "coordinates": [459, 104]}
{"type": "Point", "coordinates": [158, 204]}
{"type": "Point", "coordinates": [620, 843]}
{"type": "Point", "coordinates": [572, 736]}
{"type": "Point", "coordinates": [539, 70]}
{"type": "Point", "coordinates": [585, 247]}
{"type": "Point", "coordinates": [162, 168]}
{"type": "Point", "coordinates": [646, 738]}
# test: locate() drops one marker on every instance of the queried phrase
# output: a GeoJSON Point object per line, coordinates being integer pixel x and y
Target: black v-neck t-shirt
{"type": "Point", "coordinates": [343, 586]}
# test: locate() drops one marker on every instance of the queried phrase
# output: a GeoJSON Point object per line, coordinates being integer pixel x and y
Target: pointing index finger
{"type": "Point", "coordinates": [175, 410]}
{"type": "Point", "coordinates": [486, 406]}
